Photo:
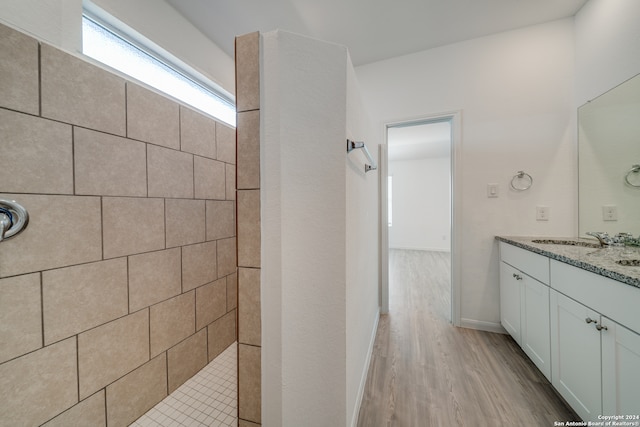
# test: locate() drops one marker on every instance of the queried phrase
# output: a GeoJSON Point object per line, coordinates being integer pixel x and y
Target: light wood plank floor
{"type": "Point", "coordinates": [426, 372]}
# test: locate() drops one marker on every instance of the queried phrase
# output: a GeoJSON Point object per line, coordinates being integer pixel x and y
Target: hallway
{"type": "Point", "coordinates": [425, 372]}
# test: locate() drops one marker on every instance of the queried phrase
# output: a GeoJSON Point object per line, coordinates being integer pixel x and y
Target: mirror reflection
{"type": "Point", "coordinates": [609, 161]}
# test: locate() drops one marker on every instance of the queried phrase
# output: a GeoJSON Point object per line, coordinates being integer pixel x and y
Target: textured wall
{"type": "Point", "coordinates": [124, 283]}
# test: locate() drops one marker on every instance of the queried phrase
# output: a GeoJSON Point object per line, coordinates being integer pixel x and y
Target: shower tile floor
{"type": "Point", "coordinates": [208, 399]}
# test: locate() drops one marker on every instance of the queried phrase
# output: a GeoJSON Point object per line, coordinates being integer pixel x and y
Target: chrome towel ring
{"type": "Point", "coordinates": [634, 169]}
{"type": "Point", "coordinates": [521, 181]}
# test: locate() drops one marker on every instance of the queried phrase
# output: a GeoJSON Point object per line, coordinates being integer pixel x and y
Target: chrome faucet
{"type": "Point", "coordinates": [606, 240]}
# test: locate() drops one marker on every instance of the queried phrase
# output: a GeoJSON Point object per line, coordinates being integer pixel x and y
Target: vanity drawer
{"type": "Point", "coordinates": [615, 300]}
{"type": "Point", "coordinates": [534, 265]}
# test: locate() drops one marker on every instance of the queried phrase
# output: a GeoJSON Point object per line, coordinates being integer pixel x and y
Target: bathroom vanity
{"type": "Point", "coordinates": [574, 308]}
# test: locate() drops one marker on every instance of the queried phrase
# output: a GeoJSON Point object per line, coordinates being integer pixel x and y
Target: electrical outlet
{"type": "Point", "coordinates": [542, 213]}
{"type": "Point", "coordinates": [610, 213]}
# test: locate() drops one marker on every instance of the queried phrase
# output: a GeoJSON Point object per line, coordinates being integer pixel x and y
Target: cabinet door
{"type": "Point", "coordinates": [575, 355]}
{"type": "Point", "coordinates": [510, 300]}
{"type": "Point", "coordinates": [620, 370]}
{"type": "Point", "coordinates": [536, 338]}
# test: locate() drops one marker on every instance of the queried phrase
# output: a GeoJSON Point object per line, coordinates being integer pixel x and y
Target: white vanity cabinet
{"type": "Point", "coordinates": [576, 357]}
{"type": "Point", "coordinates": [579, 328]}
{"type": "Point", "coordinates": [620, 369]}
{"type": "Point", "coordinates": [595, 351]}
{"type": "Point", "coordinates": [524, 302]}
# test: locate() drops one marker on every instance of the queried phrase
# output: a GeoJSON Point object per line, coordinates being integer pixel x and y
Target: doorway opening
{"type": "Point", "coordinates": [418, 207]}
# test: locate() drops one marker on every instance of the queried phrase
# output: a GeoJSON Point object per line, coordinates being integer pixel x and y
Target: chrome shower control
{"type": "Point", "coordinates": [13, 219]}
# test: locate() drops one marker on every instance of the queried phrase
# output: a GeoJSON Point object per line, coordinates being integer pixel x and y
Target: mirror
{"type": "Point", "coordinates": [609, 161]}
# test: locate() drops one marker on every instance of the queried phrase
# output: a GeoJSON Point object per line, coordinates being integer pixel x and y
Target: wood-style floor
{"type": "Point", "coordinates": [426, 372]}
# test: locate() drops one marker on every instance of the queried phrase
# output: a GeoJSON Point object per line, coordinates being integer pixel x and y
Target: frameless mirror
{"type": "Point", "coordinates": [609, 161]}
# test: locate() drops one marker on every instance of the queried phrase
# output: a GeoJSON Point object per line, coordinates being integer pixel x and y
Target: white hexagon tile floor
{"type": "Point", "coordinates": [209, 399]}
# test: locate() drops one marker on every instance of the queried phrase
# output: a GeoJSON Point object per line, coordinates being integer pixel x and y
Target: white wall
{"type": "Point", "coordinates": [515, 91]}
{"type": "Point", "coordinates": [607, 34]}
{"type": "Point", "coordinates": [59, 22]}
{"type": "Point", "coordinates": [421, 204]}
{"type": "Point", "coordinates": [319, 235]}
{"type": "Point", "coordinates": [362, 248]}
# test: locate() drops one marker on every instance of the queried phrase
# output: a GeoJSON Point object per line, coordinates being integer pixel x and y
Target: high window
{"type": "Point", "coordinates": [116, 50]}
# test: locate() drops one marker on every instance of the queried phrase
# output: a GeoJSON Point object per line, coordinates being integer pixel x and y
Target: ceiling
{"type": "Point", "coordinates": [372, 30]}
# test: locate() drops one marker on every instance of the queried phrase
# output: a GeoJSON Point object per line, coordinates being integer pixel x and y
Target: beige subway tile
{"type": "Point", "coordinates": [89, 412]}
{"type": "Point", "coordinates": [109, 351]}
{"type": "Point", "coordinates": [62, 231]}
{"type": "Point", "coordinates": [137, 392]}
{"type": "Point", "coordinates": [221, 219]}
{"type": "Point", "coordinates": [230, 191]}
{"type": "Point", "coordinates": [248, 165]}
{"type": "Point", "coordinates": [81, 297]}
{"type": "Point", "coordinates": [40, 385]}
{"type": "Point", "coordinates": [152, 117]}
{"type": "Point", "coordinates": [132, 225]}
{"type": "Point", "coordinates": [186, 359]}
{"type": "Point", "coordinates": [185, 222]}
{"type": "Point", "coordinates": [221, 334]}
{"type": "Point", "coordinates": [226, 257]}
{"type": "Point", "coordinates": [77, 92]}
{"type": "Point", "coordinates": [249, 383]}
{"type": "Point", "coordinates": [36, 154]}
{"type": "Point", "coordinates": [197, 133]}
{"type": "Point", "coordinates": [108, 165]}
{"type": "Point", "coordinates": [170, 173]}
{"type": "Point", "coordinates": [20, 316]}
{"type": "Point", "coordinates": [209, 176]}
{"type": "Point", "coordinates": [198, 265]}
{"type": "Point", "coordinates": [248, 72]}
{"type": "Point", "coordinates": [172, 321]}
{"type": "Point", "coordinates": [249, 232]}
{"type": "Point", "coordinates": [18, 71]}
{"type": "Point", "coordinates": [249, 325]}
{"type": "Point", "coordinates": [153, 277]}
{"type": "Point", "coordinates": [211, 302]}
{"type": "Point", "coordinates": [226, 143]}
{"type": "Point", "coordinates": [232, 291]}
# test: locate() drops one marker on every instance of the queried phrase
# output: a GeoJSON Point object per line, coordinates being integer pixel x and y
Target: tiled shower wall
{"type": "Point", "coordinates": [249, 231]}
{"type": "Point", "coordinates": [124, 283]}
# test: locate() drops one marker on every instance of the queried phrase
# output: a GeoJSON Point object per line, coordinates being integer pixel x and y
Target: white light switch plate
{"type": "Point", "coordinates": [493, 190]}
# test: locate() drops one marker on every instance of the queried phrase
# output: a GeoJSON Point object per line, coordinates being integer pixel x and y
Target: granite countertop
{"type": "Point", "coordinates": [597, 260]}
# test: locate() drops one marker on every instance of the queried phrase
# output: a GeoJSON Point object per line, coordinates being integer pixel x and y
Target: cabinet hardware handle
{"type": "Point", "coordinates": [517, 276]}
{"type": "Point", "coordinates": [600, 327]}
{"type": "Point", "coordinates": [590, 320]}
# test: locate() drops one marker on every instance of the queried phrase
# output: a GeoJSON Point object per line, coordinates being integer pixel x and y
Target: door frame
{"type": "Point", "coordinates": [455, 117]}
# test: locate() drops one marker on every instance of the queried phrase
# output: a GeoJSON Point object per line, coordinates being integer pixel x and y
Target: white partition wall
{"type": "Point", "coordinates": [319, 235]}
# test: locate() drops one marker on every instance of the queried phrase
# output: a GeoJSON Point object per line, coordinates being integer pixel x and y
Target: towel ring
{"type": "Point", "coordinates": [521, 175]}
{"type": "Point", "coordinates": [634, 169]}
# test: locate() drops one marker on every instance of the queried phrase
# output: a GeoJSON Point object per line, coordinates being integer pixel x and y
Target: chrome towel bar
{"type": "Point", "coordinates": [352, 145]}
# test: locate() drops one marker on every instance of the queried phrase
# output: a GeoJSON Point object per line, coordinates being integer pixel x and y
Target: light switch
{"type": "Point", "coordinates": [542, 213]}
{"type": "Point", "coordinates": [610, 213]}
{"type": "Point", "coordinates": [493, 190]}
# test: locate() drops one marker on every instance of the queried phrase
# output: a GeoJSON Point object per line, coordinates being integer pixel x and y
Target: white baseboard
{"type": "Point", "coordinates": [365, 371]}
{"type": "Point", "coordinates": [482, 326]}
{"type": "Point", "coordinates": [406, 248]}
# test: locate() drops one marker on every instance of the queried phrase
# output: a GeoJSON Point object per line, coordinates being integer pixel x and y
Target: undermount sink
{"type": "Point", "coordinates": [566, 243]}
{"type": "Point", "coordinates": [629, 262]}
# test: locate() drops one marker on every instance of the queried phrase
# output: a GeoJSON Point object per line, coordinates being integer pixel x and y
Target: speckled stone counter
{"type": "Point", "coordinates": [600, 261]}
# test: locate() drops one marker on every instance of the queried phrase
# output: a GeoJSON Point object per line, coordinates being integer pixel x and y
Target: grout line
{"type": "Point", "coordinates": [39, 79]}
{"type": "Point", "coordinates": [42, 306]}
